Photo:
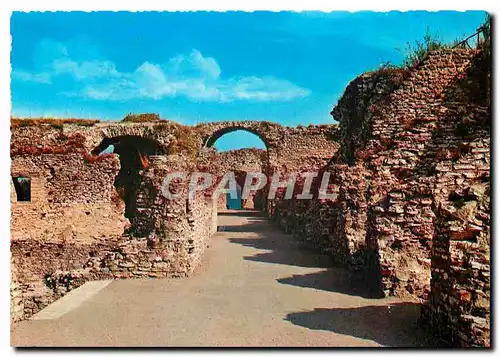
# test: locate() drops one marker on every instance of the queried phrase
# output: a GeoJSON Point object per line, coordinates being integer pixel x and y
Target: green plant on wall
{"type": "Point", "coordinates": [415, 53]}
{"type": "Point", "coordinates": [141, 118]}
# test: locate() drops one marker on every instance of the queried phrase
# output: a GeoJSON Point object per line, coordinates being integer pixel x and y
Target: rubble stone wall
{"type": "Point", "coordinates": [401, 158]}
{"type": "Point", "coordinates": [460, 296]}
{"type": "Point", "coordinates": [412, 183]}
{"type": "Point", "coordinates": [71, 199]}
{"type": "Point", "coordinates": [73, 229]}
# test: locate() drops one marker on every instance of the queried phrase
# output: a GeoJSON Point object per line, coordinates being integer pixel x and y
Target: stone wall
{"type": "Point", "coordinates": [459, 304]}
{"type": "Point", "coordinates": [71, 199]}
{"type": "Point", "coordinates": [288, 148]}
{"type": "Point", "coordinates": [73, 204]}
{"type": "Point", "coordinates": [412, 183]}
{"type": "Point", "coordinates": [401, 160]}
{"type": "Point", "coordinates": [73, 229]}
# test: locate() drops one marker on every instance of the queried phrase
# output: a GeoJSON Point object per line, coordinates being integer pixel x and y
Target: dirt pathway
{"type": "Point", "coordinates": [255, 287]}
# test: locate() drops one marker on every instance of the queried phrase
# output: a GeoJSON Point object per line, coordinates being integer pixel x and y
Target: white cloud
{"type": "Point", "coordinates": [193, 65]}
{"type": "Point", "coordinates": [25, 76]}
{"type": "Point", "coordinates": [84, 70]}
{"type": "Point", "coordinates": [267, 88]}
{"type": "Point", "coordinates": [191, 75]}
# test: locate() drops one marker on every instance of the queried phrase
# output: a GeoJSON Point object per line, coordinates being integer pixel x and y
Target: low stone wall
{"type": "Point", "coordinates": [45, 271]}
{"type": "Point", "coordinates": [41, 272]}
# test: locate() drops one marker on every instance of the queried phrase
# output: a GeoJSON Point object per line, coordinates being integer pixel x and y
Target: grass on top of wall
{"type": "Point", "coordinates": [54, 122]}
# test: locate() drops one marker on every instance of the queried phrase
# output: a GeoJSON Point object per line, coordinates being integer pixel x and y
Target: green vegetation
{"type": "Point", "coordinates": [186, 141]}
{"type": "Point", "coordinates": [141, 118]}
{"type": "Point", "coordinates": [417, 52]}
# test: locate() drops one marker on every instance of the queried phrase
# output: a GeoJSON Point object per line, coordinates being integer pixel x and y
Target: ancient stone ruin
{"type": "Point", "coordinates": [410, 169]}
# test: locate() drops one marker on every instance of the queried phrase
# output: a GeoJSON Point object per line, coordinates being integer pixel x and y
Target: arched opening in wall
{"type": "Point", "coordinates": [133, 153]}
{"type": "Point", "coordinates": [241, 151]}
{"type": "Point", "coordinates": [234, 138]}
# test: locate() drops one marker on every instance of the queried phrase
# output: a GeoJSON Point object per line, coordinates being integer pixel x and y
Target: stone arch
{"type": "Point", "coordinates": [151, 146]}
{"type": "Point", "coordinates": [210, 141]}
{"type": "Point", "coordinates": [157, 133]}
{"type": "Point", "coordinates": [270, 133]}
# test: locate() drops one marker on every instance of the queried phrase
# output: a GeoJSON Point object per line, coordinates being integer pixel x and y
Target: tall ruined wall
{"type": "Point", "coordinates": [459, 302]}
{"type": "Point", "coordinates": [412, 182]}
{"type": "Point", "coordinates": [337, 226]}
{"type": "Point", "coordinates": [402, 160]}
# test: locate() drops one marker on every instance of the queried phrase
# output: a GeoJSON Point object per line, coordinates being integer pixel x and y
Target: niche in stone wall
{"type": "Point", "coordinates": [22, 185]}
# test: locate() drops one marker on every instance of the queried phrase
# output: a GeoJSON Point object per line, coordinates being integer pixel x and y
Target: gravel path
{"type": "Point", "coordinates": [255, 287]}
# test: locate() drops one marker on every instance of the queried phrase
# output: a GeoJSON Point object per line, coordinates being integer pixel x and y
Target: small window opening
{"type": "Point", "coordinates": [23, 188]}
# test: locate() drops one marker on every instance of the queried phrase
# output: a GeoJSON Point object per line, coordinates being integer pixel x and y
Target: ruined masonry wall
{"type": "Point", "coordinates": [412, 176]}
{"type": "Point", "coordinates": [71, 199]}
{"type": "Point", "coordinates": [72, 229]}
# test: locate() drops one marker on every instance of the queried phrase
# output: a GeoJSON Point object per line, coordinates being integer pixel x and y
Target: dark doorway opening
{"type": "Point", "coordinates": [22, 186]}
{"type": "Point", "coordinates": [133, 153]}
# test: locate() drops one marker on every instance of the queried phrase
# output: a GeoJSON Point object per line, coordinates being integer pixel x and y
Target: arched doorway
{"type": "Point", "coordinates": [234, 203]}
{"type": "Point", "coordinates": [241, 151]}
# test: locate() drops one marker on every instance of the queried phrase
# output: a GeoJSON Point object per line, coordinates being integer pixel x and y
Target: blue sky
{"type": "Point", "coordinates": [284, 67]}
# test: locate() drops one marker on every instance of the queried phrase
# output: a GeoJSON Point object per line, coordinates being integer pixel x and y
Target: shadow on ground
{"type": "Point", "coordinates": [253, 225]}
{"type": "Point", "coordinates": [335, 280]}
{"type": "Point", "coordinates": [392, 325]}
{"type": "Point", "coordinates": [282, 251]}
{"type": "Point", "coordinates": [242, 213]}
{"type": "Point", "coordinates": [255, 221]}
